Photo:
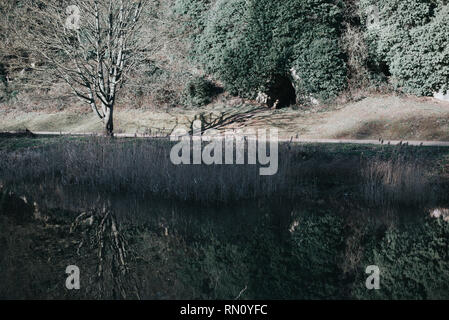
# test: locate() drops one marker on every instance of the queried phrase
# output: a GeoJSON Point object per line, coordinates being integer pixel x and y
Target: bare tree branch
{"type": "Point", "coordinates": [91, 45]}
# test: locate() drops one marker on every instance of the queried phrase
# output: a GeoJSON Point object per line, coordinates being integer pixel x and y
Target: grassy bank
{"type": "Point", "coordinates": [389, 117]}
{"type": "Point", "coordinates": [377, 174]}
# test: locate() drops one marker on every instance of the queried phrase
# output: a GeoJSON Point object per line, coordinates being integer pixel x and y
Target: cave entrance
{"type": "Point", "coordinates": [281, 92]}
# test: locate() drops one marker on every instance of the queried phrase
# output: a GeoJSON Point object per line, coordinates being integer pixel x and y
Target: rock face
{"type": "Point", "coordinates": [262, 98]}
{"type": "Point", "coordinates": [280, 93]}
{"type": "Point", "coordinates": [444, 96]}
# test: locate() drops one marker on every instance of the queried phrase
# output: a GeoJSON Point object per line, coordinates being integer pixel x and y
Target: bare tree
{"type": "Point", "coordinates": [91, 45]}
{"type": "Point", "coordinates": [13, 56]}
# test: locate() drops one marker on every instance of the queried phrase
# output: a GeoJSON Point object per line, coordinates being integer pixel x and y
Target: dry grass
{"type": "Point", "coordinates": [427, 129]}
{"type": "Point", "coordinates": [397, 176]}
{"type": "Point", "coordinates": [397, 181]}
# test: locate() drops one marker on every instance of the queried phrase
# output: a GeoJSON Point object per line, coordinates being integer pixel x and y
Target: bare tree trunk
{"type": "Point", "coordinates": [109, 121]}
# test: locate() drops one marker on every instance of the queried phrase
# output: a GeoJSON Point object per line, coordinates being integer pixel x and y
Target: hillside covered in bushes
{"type": "Point", "coordinates": [280, 53]}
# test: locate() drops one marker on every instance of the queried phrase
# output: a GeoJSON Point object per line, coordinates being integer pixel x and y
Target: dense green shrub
{"type": "Point", "coordinates": [3, 92]}
{"type": "Point", "coordinates": [413, 262]}
{"type": "Point", "coordinates": [221, 43]}
{"type": "Point", "coordinates": [194, 10]}
{"type": "Point", "coordinates": [317, 253]}
{"type": "Point", "coordinates": [412, 39]}
{"type": "Point", "coordinates": [216, 270]}
{"type": "Point", "coordinates": [321, 69]}
{"type": "Point", "coordinates": [304, 265]}
{"type": "Point", "coordinates": [247, 43]}
{"type": "Point", "coordinates": [199, 92]}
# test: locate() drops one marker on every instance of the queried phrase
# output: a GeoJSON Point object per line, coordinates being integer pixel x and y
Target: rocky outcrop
{"type": "Point", "coordinates": [443, 96]}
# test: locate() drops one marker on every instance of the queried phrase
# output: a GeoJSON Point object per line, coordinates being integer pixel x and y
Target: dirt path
{"type": "Point", "coordinates": [291, 140]}
{"type": "Point", "coordinates": [372, 118]}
